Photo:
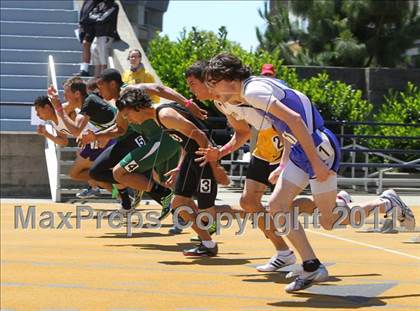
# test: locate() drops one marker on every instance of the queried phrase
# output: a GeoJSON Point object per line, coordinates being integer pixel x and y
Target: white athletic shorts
{"type": "Point", "coordinates": [300, 178]}
{"type": "Point", "coordinates": [100, 50]}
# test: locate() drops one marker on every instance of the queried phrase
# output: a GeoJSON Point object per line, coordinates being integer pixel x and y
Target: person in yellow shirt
{"type": "Point", "coordinates": [137, 73]}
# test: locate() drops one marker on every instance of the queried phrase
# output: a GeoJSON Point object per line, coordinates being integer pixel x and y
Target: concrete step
{"type": "Point", "coordinates": [66, 162]}
{"type": "Point", "coordinates": [34, 42]}
{"type": "Point", "coordinates": [16, 125]}
{"type": "Point", "coordinates": [14, 68]}
{"type": "Point", "coordinates": [43, 4]}
{"type": "Point", "coordinates": [39, 15]}
{"type": "Point", "coordinates": [22, 95]}
{"type": "Point", "coordinates": [39, 56]}
{"type": "Point", "coordinates": [69, 149]}
{"type": "Point", "coordinates": [105, 195]}
{"type": "Point", "coordinates": [64, 177]}
{"type": "Point", "coordinates": [38, 29]}
{"type": "Point", "coordinates": [15, 111]}
{"type": "Point", "coordinates": [27, 81]}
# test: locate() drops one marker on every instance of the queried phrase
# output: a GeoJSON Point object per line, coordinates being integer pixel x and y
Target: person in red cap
{"type": "Point", "coordinates": [268, 70]}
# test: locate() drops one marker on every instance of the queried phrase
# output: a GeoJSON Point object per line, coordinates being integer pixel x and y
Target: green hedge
{"type": "Point", "coordinates": [335, 100]}
{"type": "Point", "coordinates": [398, 107]}
{"type": "Point", "coordinates": [170, 59]}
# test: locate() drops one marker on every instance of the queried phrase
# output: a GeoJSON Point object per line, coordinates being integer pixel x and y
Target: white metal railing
{"type": "Point", "coordinates": [111, 62]}
{"type": "Point", "coordinates": [52, 151]}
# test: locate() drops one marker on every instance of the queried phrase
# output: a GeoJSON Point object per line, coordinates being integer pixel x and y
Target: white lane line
{"type": "Point", "coordinates": [365, 244]}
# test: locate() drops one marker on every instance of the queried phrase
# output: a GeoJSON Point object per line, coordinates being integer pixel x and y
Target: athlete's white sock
{"type": "Point", "coordinates": [84, 67]}
{"type": "Point", "coordinates": [284, 253]}
{"type": "Point", "coordinates": [209, 244]}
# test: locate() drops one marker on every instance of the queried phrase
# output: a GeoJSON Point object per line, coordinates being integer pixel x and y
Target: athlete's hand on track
{"type": "Point", "coordinates": [102, 142]}
{"type": "Point", "coordinates": [274, 175]}
{"type": "Point", "coordinates": [87, 137]}
{"type": "Point", "coordinates": [172, 174]}
{"type": "Point", "coordinates": [79, 142]}
{"type": "Point", "coordinates": [41, 130]}
{"type": "Point", "coordinates": [197, 111]}
{"type": "Point", "coordinates": [322, 172]}
{"type": "Point", "coordinates": [54, 98]}
{"type": "Point", "coordinates": [208, 154]}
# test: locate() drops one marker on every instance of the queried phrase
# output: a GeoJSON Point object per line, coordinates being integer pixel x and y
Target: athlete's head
{"type": "Point", "coordinates": [134, 57]}
{"type": "Point", "coordinates": [44, 109]}
{"type": "Point", "coordinates": [224, 75]}
{"type": "Point", "coordinates": [195, 75]}
{"type": "Point", "coordinates": [109, 83]}
{"type": "Point", "coordinates": [92, 86]}
{"type": "Point", "coordinates": [132, 105]}
{"type": "Point", "coordinates": [74, 89]}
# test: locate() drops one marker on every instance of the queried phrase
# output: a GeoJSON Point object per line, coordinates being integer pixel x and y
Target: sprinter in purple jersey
{"type": "Point", "coordinates": [314, 154]}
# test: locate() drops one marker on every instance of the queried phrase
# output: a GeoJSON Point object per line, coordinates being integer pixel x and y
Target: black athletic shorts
{"type": "Point", "coordinates": [259, 170]}
{"type": "Point", "coordinates": [87, 32]}
{"type": "Point", "coordinates": [196, 181]}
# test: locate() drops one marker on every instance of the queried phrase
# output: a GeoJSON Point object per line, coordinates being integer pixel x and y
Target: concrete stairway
{"type": "Point", "coordinates": [30, 31]}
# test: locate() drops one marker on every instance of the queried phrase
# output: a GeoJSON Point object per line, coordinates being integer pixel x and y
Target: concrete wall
{"type": "Point", "coordinates": [23, 168]}
{"type": "Point", "coordinates": [374, 82]}
{"type": "Point", "coordinates": [146, 17]}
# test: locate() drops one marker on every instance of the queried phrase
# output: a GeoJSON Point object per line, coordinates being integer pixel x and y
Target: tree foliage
{"type": "Point", "coordinates": [398, 107]}
{"type": "Point", "coordinates": [343, 32]}
{"type": "Point", "coordinates": [170, 59]}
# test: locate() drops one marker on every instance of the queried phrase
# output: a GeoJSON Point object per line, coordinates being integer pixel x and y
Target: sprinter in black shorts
{"type": "Point", "coordinates": [191, 179]}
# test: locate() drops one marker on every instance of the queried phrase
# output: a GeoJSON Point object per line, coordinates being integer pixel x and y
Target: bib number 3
{"type": "Point", "coordinates": [205, 185]}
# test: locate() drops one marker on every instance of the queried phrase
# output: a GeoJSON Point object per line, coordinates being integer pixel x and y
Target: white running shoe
{"type": "Point", "coordinates": [404, 213]}
{"type": "Point", "coordinates": [89, 193]}
{"type": "Point", "coordinates": [276, 262]}
{"type": "Point", "coordinates": [343, 199]}
{"type": "Point", "coordinates": [306, 279]}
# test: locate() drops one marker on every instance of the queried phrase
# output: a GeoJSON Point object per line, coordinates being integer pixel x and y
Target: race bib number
{"type": "Point", "coordinates": [290, 138]}
{"type": "Point", "coordinates": [176, 137]}
{"type": "Point", "coordinates": [130, 167]}
{"type": "Point", "coordinates": [94, 145]}
{"type": "Point", "coordinates": [325, 150]}
{"type": "Point", "coordinates": [277, 142]}
{"type": "Point", "coordinates": [205, 185]}
{"type": "Point", "coordinates": [140, 141]}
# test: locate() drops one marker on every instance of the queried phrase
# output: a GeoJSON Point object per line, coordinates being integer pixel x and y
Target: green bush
{"type": "Point", "coordinates": [399, 107]}
{"type": "Point", "coordinates": [335, 100]}
{"type": "Point", "coordinates": [171, 59]}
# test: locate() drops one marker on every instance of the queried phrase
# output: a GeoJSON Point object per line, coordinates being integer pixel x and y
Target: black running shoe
{"type": "Point", "coordinates": [166, 206]}
{"type": "Point", "coordinates": [83, 73]}
{"type": "Point", "coordinates": [201, 251]}
{"type": "Point", "coordinates": [126, 202]}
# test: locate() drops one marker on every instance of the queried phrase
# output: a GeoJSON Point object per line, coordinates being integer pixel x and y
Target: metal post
{"type": "Point", "coordinates": [353, 160]}
{"type": "Point", "coordinates": [366, 169]}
